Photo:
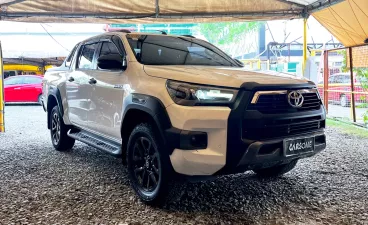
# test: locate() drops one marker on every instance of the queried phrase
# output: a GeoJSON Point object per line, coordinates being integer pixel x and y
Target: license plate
{"type": "Point", "coordinates": [298, 146]}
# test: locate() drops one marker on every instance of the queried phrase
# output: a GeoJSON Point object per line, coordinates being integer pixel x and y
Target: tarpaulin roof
{"type": "Point", "coordinates": [156, 11]}
{"type": "Point", "coordinates": [347, 21]}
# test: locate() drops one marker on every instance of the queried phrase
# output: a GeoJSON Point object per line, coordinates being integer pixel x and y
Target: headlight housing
{"type": "Point", "coordinates": [200, 95]}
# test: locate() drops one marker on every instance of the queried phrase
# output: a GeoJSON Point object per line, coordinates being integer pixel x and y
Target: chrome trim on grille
{"type": "Point", "coordinates": [280, 92]}
{"type": "Point", "coordinates": [259, 93]}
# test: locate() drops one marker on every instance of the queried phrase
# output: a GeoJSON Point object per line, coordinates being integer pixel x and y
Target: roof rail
{"type": "Point", "coordinates": [162, 32]}
{"type": "Point", "coordinates": [188, 35]}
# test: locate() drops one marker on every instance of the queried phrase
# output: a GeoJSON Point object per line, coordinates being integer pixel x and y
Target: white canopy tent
{"type": "Point", "coordinates": [157, 11]}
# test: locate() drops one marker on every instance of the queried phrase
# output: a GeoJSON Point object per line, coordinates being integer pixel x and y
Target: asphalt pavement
{"type": "Point", "coordinates": [39, 185]}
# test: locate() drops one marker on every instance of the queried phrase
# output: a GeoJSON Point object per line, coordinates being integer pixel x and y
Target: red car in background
{"type": "Point", "coordinates": [23, 88]}
{"type": "Point", "coordinates": [339, 84]}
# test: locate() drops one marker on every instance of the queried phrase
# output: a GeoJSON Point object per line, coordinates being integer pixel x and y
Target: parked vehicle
{"type": "Point", "coordinates": [23, 88]}
{"type": "Point", "coordinates": [177, 106]}
{"type": "Point", "coordinates": [339, 85]}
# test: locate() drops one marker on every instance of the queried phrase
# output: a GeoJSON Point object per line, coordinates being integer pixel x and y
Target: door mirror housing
{"type": "Point", "coordinates": [112, 62]}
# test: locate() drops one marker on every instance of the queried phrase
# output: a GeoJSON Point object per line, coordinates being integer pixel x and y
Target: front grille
{"type": "Point", "coordinates": [280, 128]}
{"type": "Point", "coordinates": [278, 103]}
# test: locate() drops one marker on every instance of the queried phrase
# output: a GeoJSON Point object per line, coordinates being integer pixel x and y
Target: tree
{"type": "Point", "coordinates": [227, 33]}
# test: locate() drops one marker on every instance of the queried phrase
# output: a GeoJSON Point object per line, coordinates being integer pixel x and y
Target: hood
{"type": "Point", "coordinates": [221, 76]}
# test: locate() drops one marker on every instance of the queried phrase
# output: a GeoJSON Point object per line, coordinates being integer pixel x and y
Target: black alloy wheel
{"type": "Point", "coordinates": [59, 131]}
{"type": "Point", "coordinates": [147, 165]}
{"type": "Point", "coordinates": [55, 128]}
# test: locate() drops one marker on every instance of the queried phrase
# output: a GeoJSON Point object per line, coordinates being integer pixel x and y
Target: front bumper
{"type": "Point", "coordinates": [263, 154]}
{"type": "Point", "coordinates": [241, 139]}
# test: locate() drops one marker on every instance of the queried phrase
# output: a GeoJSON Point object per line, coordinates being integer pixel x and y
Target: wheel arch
{"type": "Point", "coordinates": [53, 99]}
{"type": "Point", "coordinates": [140, 108]}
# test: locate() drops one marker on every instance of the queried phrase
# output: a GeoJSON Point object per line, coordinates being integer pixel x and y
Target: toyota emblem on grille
{"type": "Point", "coordinates": [295, 99]}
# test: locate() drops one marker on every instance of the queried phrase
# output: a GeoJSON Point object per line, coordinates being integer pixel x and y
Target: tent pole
{"type": "Point", "coordinates": [304, 44]}
{"type": "Point", "coordinates": [352, 104]}
{"type": "Point", "coordinates": [2, 104]}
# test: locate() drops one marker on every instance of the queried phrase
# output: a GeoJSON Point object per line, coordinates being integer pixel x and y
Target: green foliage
{"type": "Point", "coordinates": [226, 32]}
{"type": "Point", "coordinates": [344, 67]}
{"type": "Point", "coordinates": [362, 75]}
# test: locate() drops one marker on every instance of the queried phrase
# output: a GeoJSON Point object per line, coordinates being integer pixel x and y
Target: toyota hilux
{"type": "Point", "coordinates": [177, 106]}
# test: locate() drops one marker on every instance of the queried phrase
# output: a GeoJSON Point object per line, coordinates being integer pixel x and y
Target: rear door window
{"type": "Point", "coordinates": [32, 80]}
{"type": "Point", "coordinates": [108, 48]}
{"type": "Point", "coordinates": [86, 56]}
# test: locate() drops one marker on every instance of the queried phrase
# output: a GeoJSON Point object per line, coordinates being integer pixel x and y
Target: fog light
{"type": "Point", "coordinates": [193, 140]}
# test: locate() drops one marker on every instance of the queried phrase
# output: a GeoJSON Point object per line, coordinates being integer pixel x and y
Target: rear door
{"type": "Point", "coordinates": [12, 89]}
{"type": "Point", "coordinates": [32, 88]}
{"type": "Point", "coordinates": [107, 97]}
{"type": "Point", "coordinates": [78, 87]}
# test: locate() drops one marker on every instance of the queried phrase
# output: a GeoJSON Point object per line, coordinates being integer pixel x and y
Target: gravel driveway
{"type": "Point", "coordinates": [86, 186]}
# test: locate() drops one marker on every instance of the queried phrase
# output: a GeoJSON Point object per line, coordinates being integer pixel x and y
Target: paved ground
{"type": "Point", "coordinates": [345, 112]}
{"type": "Point", "coordinates": [85, 186]}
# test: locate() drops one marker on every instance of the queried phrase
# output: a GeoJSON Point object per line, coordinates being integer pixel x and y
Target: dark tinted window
{"type": "Point", "coordinates": [32, 80]}
{"type": "Point", "coordinates": [108, 48]}
{"type": "Point", "coordinates": [71, 55]}
{"type": "Point", "coordinates": [169, 50]}
{"type": "Point", "coordinates": [86, 56]}
{"type": "Point", "coordinates": [13, 81]}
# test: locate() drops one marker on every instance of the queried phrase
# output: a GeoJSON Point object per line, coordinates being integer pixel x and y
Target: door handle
{"type": "Point", "coordinates": [71, 79]}
{"type": "Point", "coordinates": [92, 81]}
{"type": "Point", "coordinates": [16, 88]}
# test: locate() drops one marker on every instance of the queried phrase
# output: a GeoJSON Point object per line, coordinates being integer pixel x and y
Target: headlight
{"type": "Point", "coordinates": [197, 95]}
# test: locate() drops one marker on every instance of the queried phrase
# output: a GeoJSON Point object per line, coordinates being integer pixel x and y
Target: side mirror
{"type": "Point", "coordinates": [240, 63]}
{"type": "Point", "coordinates": [112, 62]}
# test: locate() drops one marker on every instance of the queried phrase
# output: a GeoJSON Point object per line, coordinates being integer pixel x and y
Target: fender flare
{"type": "Point", "coordinates": [54, 92]}
{"type": "Point", "coordinates": [153, 107]}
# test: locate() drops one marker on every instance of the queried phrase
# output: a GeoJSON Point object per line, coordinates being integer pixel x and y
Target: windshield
{"type": "Point", "coordinates": [170, 50]}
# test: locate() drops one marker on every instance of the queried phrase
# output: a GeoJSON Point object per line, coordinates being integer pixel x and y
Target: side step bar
{"type": "Point", "coordinates": [96, 141]}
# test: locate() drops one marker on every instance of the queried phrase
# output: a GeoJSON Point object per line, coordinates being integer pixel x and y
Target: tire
{"type": "Point", "coordinates": [58, 131]}
{"type": "Point", "coordinates": [39, 99]}
{"type": "Point", "coordinates": [344, 102]}
{"type": "Point", "coordinates": [148, 165]}
{"type": "Point", "coordinates": [276, 171]}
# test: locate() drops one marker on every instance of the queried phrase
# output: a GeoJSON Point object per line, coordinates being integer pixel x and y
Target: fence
{"type": "Point", "coordinates": [344, 85]}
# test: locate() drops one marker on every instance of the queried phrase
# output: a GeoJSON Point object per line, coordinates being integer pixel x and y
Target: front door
{"type": "Point", "coordinates": [78, 87]}
{"type": "Point", "coordinates": [107, 97]}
